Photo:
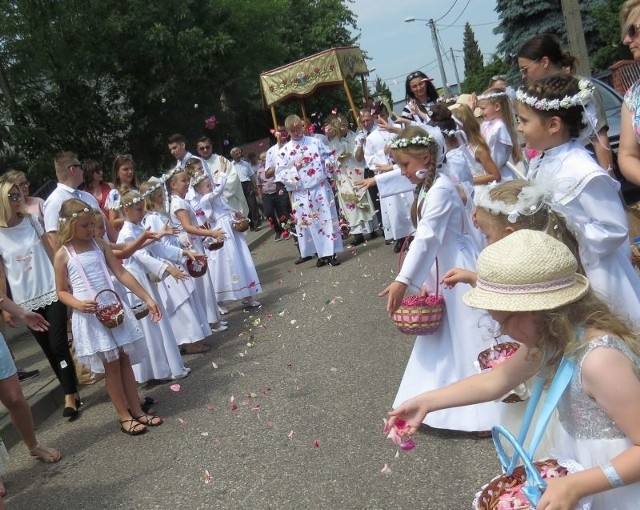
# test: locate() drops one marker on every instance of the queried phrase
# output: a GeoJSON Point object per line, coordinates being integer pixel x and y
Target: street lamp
{"type": "Point", "coordinates": [434, 36]}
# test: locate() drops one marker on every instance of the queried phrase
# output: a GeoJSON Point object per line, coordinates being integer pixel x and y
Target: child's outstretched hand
{"type": "Point", "coordinates": [177, 273]}
{"type": "Point", "coordinates": [88, 306]}
{"type": "Point", "coordinates": [35, 321]}
{"type": "Point", "coordinates": [409, 415]}
{"type": "Point", "coordinates": [193, 256]}
{"type": "Point", "coordinates": [560, 493]}
{"type": "Point", "coordinates": [458, 275]}
{"type": "Point", "coordinates": [156, 313]}
{"type": "Point", "coordinates": [219, 234]}
{"type": "Point", "coordinates": [395, 292]}
{"type": "Point", "coordinates": [365, 183]}
{"type": "Point", "coordinates": [167, 230]}
{"type": "Point", "coordinates": [149, 235]}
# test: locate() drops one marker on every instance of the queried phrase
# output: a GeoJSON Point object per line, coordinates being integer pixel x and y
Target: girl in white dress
{"type": "Point", "coordinates": [164, 360]}
{"type": "Point", "coordinates": [183, 218]}
{"type": "Point", "coordinates": [498, 130]}
{"type": "Point", "coordinates": [449, 354]}
{"type": "Point", "coordinates": [549, 308]}
{"type": "Point", "coordinates": [179, 299]}
{"type": "Point", "coordinates": [232, 267]}
{"type": "Point", "coordinates": [81, 273]}
{"type": "Point", "coordinates": [551, 121]}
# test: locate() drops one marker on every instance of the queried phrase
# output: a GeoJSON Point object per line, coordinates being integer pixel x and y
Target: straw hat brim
{"type": "Point", "coordinates": [526, 302]}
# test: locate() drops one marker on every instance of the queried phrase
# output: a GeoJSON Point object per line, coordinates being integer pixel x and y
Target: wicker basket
{"type": "Point", "coordinates": [419, 315]}
{"type": "Point", "coordinates": [212, 244]}
{"type": "Point", "coordinates": [197, 268]}
{"type": "Point", "coordinates": [489, 496]}
{"type": "Point", "coordinates": [110, 311]}
{"type": "Point", "coordinates": [490, 357]}
{"type": "Point", "coordinates": [240, 224]}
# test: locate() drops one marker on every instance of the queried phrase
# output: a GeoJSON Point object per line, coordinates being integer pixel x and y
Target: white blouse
{"type": "Point", "coordinates": [27, 265]}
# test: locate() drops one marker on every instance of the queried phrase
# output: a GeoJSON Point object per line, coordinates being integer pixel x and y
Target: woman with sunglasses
{"type": "Point", "coordinates": [26, 266]}
{"type": "Point", "coordinates": [31, 205]}
{"type": "Point", "coordinates": [420, 93]}
{"type": "Point", "coordinates": [542, 56]}
{"type": "Point", "coordinates": [629, 151]}
{"type": "Point", "coordinates": [94, 183]}
{"type": "Point", "coordinates": [124, 178]}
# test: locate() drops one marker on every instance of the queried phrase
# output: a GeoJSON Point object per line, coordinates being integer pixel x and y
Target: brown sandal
{"type": "Point", "coordinates": [132, 427]}
{"type": "Point", "coordinates": [149, 420]}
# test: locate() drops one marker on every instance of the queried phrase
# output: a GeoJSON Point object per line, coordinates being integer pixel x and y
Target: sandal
{"type": "Point", "coordinates": [149, 420]}
{"type": "Point", "coordinates": [45, 453]}
{"type": "Point", "coordinates": [133, 427]}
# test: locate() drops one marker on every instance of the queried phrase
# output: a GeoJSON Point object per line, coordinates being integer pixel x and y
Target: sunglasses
{"type": "Point", "coordinates": [523, 70]}
{"type": "Point", "coordinates": [15, 197]}
{"type": "Point", "coordinates": [633, 30]}
{"type": "Point", "coordinates": [205, 148]}
{"type": "Point", "coordinates": [24, 184]}
{"type": "Point", "coordinates": [415, 75]}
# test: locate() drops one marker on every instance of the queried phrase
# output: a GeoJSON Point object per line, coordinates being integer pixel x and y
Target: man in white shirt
{"type": "Point", "coordinates": [247, 177]}
{"type": "Point", "coordinates": [275, 199]}
{"type": "Point", "coordinates": [178, 149]}
{"type": "Point", "coordinates": [70, 175]}
{"type": "Point", "coordinates": [367, 126]}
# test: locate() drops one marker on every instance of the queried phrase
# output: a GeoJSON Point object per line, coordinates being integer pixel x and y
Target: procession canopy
{"type": "Point", "coordinates": [300, 79]}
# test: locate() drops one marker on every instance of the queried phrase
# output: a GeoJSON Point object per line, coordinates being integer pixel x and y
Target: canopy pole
{"type": "Point", "coordinates": [354, 110]}
{"type": "Point", "coordinates": [274, 118]}
{"type": "Point", "coordinates": [304, 112]}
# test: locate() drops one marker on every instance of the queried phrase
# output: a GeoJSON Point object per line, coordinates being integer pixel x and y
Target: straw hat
{"type": "Point", "coordinates": [526, 271]}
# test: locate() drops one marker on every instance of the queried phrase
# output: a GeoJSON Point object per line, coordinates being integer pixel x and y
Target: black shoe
{"type": "Point", "coordinates": [387, 242]}
{"type": "Point", "coordinates": [373, 235]}
{"type": "Point", "coordinates": [398, 246]}
{"type": "Point", "coordinates": [25, 375]}
{"type": "Point", "coordinates": [70, 412]}
{"type": "Point", "coordinates": [278, 236]}
{"type": "Point", "coordinates": [357, 239]}
{"type": "Point", "coordinates": [322, 261]}
{"type": "Point", "coordinates": [303, 259]}
{"type": "Point", "coordinates": [333, 261]}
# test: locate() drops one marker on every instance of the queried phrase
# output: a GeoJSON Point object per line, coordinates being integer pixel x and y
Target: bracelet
{"type": "Point", "coordinates": [612, 475]}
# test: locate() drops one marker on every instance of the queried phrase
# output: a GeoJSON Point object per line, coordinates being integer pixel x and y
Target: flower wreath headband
{"type": "Point", "coordinates": [415, 141]}
{"type": "Point", "coordinates": [531, 199]}
{"type": "Point", "coordinates": [583, 98]}
{"type": "Point", "coordinates": [141, 196]}
{"type": "Point", "coordinates": [74, 215]}
{"type": "Point", "coordinates": [492, 95]}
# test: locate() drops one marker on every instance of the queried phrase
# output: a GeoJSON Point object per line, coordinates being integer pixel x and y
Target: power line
{"type": "Point", "coordinates": [460, 15]}
{"type": "Point", "coordinates": [445, 14]}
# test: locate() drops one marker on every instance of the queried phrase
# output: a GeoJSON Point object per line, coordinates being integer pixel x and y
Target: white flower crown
{"type": "Point", "coordinates": [531, 199]}
{"type": "Point", "coordinates": [403, 143]}
{"type": "Point", "coordinates": [492, 95]}
{"type": "Point", "coordinates": [163, 179]}
{"type": "Point", "coordinates": [74, 215]}
{"type": "Point", "coordinates": [198, 178]}
{"type": "Point", "coordinates": [580, 99]}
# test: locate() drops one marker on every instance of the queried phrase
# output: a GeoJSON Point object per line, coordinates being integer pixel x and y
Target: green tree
{"type": "Point", "coordinates": [103, 77]}
{"type": "Point", "coordinates": [479, 81]}
{"type": "Point", "coordinates": [473, 61]}
{"type": "Point", "coordinates": [382, 89]}
{"type": "Point", "coordinates": [608, 24]}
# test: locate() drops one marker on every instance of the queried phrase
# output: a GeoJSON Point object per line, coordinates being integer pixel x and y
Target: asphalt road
{"type": "Point", "coordinates": [284, 412]}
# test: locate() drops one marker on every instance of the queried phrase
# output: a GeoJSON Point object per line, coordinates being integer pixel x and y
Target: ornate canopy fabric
{"type": "Point", "coordinates": [302, 78]}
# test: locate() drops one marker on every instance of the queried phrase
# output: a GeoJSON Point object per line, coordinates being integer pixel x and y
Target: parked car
{"type": "Point", "coordinates": [612, 102]}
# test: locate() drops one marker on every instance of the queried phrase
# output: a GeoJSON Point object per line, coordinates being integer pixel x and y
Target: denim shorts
{"type": "Point", "coordinates": [7, 366]}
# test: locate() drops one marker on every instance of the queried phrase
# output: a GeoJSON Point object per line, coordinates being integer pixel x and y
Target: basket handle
{"type": "Point", "coordinates": [534, 485]}
{"type": "Point", "coordinates": [109, 290]}
{"type": "Point", "coordinates": [401, 260]}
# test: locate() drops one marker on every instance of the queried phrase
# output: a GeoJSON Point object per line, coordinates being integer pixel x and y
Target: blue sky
{"type": "Point", "coordinates": [397, 48]}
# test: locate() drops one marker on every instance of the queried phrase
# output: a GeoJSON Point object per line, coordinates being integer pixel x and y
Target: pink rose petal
{"type": "Point", "coordinates": [386, 470]}
{"type": "Point", "coordinates": [175, 387]}
{"type": "Point", "coordinates": [316, 444]}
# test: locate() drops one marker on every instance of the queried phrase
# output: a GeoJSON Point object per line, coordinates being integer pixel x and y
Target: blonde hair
{"type": "Point", "coordinates": [557, 329]}
{"type": "Point", "coordinates": [5, 206]}
{"type": "Point", "coordinates": [470, 126]}
{"type": "Point", "coordinates": [506, 115]}
{"type": "Point", "coordinates": [543, 219]}
{"type": "Point", "coordinates": [61, 162]}
{"type": "Point", "coordinates": [629, 9]}
{"type": "Point", "coordinates": [418, 151]}
{"type": "Point", "coordinates": [149, 203]}
{"type": "Point", "coordinates": [70, 211]}
{"type": "Point", "coordinates": [14, 175]}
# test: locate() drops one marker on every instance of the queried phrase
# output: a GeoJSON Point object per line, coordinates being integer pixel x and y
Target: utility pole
{"type": "Point", "coordinates": [436, 45]}
{"type": "Point", "coordinates": [575, 36]}
{"type": "Point", "coordinates": [455, 68]}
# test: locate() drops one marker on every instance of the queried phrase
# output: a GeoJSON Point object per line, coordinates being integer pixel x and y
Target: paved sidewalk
{"type": "Point", "coordinates": [43, 392]}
